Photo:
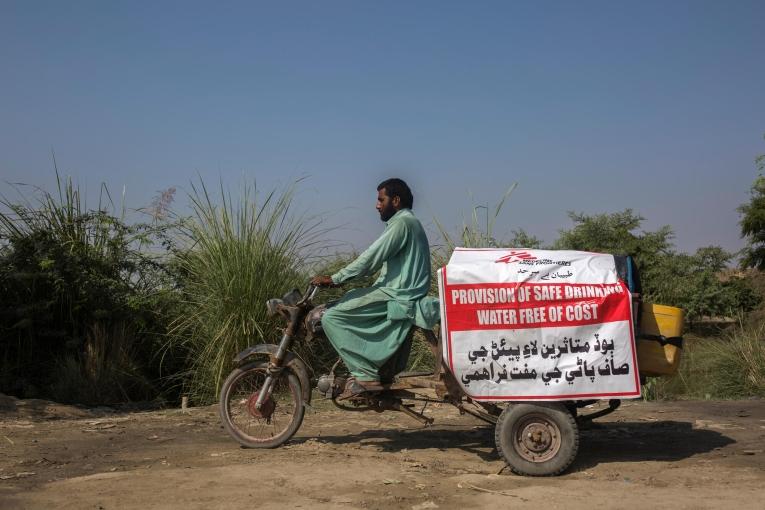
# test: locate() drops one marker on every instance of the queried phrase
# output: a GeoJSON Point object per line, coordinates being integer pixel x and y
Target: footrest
{"type": "Point", "coordinates": [413, 374]}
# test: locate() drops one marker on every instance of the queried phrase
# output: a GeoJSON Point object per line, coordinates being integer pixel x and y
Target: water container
{"type": "Point", "coordinates": [660, 340]}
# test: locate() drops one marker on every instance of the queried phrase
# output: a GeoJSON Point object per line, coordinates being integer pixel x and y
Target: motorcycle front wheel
{"type": "Point", "coordinates": [278, 418]}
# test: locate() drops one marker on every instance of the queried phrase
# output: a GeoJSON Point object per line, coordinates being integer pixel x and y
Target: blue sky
{"type": "Point", "coordinates": [589, 106]}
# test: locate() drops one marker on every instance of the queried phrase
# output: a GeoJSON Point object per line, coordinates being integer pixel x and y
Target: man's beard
{"type": "Point", "coordinates": [387, 213]}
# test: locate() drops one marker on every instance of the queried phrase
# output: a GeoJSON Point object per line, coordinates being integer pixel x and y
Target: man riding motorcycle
{"type": "Point", "coordinates": [368, 326]}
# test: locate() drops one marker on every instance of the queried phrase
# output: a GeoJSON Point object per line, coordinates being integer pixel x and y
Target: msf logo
{"type": "Point", "coordinates": [515, 256]}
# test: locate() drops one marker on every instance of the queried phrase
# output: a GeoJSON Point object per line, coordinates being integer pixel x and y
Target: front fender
{"type": "Point", "coordinates": [269, 349]}
{"type": "Point", "coordinates": [291, 361]}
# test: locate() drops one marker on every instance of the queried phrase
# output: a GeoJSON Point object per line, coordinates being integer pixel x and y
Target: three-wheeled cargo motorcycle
{"type": "Point", "coordinates": [263, 400]}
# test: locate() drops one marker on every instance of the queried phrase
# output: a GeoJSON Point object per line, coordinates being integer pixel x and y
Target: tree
{"type": "Point", "coordinates": [699, 284]}
{"type": "Point", "coordinates": [522, 239]}
{"type": "Point", "coordinates": [613, 233]}
{"type": "Point", "coordinates": [692, 282]}
{"type": "Point", "coordinates": [753, 221]}
{"type": "Point", "coordinates": [618, 233]}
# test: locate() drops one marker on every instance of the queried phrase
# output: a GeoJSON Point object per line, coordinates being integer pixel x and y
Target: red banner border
{"type": "Point", "coordinates": [634, 393]}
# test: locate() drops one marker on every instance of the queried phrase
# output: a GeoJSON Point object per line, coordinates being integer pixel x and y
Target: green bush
{"type": "Point", "coordinates": [81, 296]}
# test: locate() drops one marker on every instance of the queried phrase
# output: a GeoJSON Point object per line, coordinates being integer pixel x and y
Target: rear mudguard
{"type": "Point", "coordinates": [291, 361]}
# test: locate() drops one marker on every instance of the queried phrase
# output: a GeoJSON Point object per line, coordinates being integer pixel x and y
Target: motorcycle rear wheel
{"type": "Point", "coordinates": [278, 418]}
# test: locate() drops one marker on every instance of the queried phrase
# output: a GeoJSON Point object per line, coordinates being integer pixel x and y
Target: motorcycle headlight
{"type": "Point", "coordinates": [271, 305]}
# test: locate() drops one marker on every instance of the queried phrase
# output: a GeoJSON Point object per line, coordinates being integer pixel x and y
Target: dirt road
{"type": "Point", "coordinates": [646, 455]}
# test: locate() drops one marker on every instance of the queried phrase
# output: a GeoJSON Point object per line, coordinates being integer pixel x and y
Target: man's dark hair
{"type": "Point", "coordinates": [398, 188]}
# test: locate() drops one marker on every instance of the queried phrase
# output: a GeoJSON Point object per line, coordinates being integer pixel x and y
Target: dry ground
{"type": "Point", "coordinates": [646, 455]}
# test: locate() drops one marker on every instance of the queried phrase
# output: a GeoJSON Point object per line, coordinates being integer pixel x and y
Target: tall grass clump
{"type": "Point", "coordinates": [475, 232]}
{"type": "Point", "coordinates": [238, 253]}
{"type": "Point", "coordinates": [729, 367]}
{"type": "Point", "coordinates": [739, 364]}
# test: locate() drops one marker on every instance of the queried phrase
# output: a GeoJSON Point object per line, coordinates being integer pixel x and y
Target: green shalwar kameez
{"type": "Point", "coordinates": [367, 326]}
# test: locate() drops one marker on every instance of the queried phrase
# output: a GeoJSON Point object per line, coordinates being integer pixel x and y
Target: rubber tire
{"type": "Point", "coordinates": [231, 428]}
{"type": "Point", "coordinates": [555, 413]}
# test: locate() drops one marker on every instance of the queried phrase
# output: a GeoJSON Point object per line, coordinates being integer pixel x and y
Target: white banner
{"type": "Point", "coordinates": [537, 325]}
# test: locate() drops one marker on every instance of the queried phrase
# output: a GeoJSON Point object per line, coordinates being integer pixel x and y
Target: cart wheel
{"type": "Point", "coordinates": [539, 439]}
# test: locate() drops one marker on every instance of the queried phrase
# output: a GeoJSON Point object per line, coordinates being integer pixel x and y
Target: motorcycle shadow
{"type": "Point", "coordinates": [600, 443]}
{"type": "Point", "coordinates": [478, 441]}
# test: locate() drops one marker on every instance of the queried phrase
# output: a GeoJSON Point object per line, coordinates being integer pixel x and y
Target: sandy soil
{"type": "Point", "coordinates": [646, 455]}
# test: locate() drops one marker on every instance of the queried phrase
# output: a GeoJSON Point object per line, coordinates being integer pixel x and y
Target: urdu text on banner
{"type": "Point", "coordinates": [537, 325]}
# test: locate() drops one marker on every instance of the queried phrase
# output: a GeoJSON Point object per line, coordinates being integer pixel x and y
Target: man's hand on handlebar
{"type": "Point", "coordinates": [323, 281]}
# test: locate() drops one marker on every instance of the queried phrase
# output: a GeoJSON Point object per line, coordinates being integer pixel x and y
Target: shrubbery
{"type": "Point", "coordinates": [97, 309]}
{"type": "Point", "coordinates": [728, 366]}
{"type": "Point", "coordinates": [695, 283]}
{"type": "Point", "coordinates": [84, 302]}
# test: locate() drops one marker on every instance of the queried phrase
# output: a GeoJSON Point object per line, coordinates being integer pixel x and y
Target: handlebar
{"type": "Point", "coordinates": [273, 306]}
{"type": "Point", "coordinates": [309, 294]}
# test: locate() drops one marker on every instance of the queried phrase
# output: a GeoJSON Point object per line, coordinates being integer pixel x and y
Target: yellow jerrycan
{"type": "Point", "coordinates": [660, 340]}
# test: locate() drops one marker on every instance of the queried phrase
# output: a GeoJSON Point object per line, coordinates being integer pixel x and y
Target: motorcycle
{"type": "Point", "coordinates": [263, 400]}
